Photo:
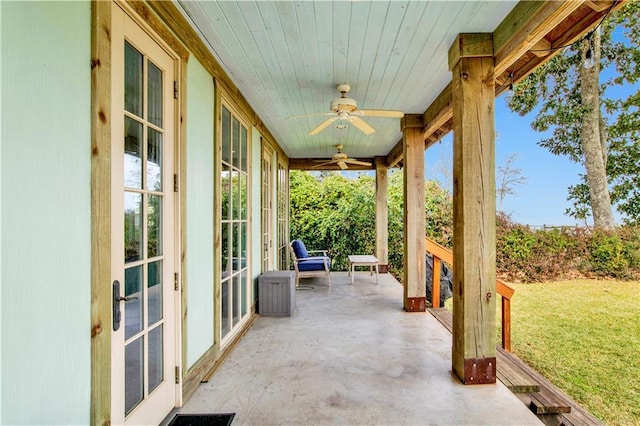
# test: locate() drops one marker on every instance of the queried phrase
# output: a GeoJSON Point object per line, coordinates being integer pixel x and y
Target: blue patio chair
{"type": "Point", "coordinates": [309, 266]}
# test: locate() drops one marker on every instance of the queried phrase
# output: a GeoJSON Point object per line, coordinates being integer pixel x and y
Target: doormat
{"type": "Point", "coordinates": [223, 419]}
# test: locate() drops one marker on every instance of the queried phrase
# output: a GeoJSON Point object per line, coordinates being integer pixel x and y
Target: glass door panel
{"type": "Point", "coordinates": [234, 294]}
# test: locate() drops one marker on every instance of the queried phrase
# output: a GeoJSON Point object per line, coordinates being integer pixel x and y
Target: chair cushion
{"type": "Point", "coordinates": [299, 249]}
{"type": "Point", "coordinates": [314, 263]}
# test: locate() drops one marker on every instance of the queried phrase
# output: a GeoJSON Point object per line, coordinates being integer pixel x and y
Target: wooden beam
{"type": "Point", "coordinates": [474, 209]}
{"type": "Point", "coordinates": [100, 412]}
{"type": "Point", "coordinates": [524, 26]}
{"type": "Point", "coordinates": [394, 157]}
{"type": "Point", "coordinates": [312, 164]}
{"type": "Point", "coordinates": [542, 48]}
{"type": "Point", "coordinates": [598, 6]}
{"type": "Point", "coordinates": [382, 215]}
{"type": "Point", "coordinates": [438, 113]}
{"type": "Point", "coordinates": [414, 215]}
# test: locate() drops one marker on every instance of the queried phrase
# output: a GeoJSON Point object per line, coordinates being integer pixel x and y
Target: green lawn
{"type": "Point", "coordinates": [584, 336]}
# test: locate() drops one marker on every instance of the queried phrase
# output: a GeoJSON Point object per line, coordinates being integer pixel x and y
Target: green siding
{"type": "Point", "coordinates": [46, 212]}
{"type": "Point", "coordinates": [200, 219]}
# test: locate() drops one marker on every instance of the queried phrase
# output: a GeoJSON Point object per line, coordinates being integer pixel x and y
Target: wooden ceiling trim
{"type": "Point", "coordinates": [142, 10]}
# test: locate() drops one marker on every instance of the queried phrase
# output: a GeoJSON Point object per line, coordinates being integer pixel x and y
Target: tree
{"type": "Point", "coordinates": [573, 104]}
{"type": "Point", "coordinates": [508, 178]}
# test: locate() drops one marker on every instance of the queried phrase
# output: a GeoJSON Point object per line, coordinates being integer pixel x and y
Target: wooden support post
{"type": "Point", "coordinates": [382, 215]}
{"type": "Point", "coordinates": [414, 216]}
{"type": "Point", "coordinates": [474, 209]}
{"type": "Point", "coordinates": [101, 296]}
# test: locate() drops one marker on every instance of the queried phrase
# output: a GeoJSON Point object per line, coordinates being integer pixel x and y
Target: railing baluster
{"type": "Point", "coordinates": [435, 286]}
{"type": "Point", "coordinates": [441, 254]}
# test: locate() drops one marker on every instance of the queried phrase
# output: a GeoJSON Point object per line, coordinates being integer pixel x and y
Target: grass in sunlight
{"type": "Point", "coordinates": [584, 336]}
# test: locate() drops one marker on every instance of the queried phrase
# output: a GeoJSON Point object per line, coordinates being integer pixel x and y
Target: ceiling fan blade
{"type": "Point", "coordinates": [361, 125]}
{"type": "Point", "coordinates": [382, 113]}
{"type": "Point", "coordinates": [310, 115]}
{"type": "Point", "coordinates": [357, 162]}
{"type": "Point", "coordinates": [322, 126]}
{"type": "Point", "coordinates": [324, 163]}
{"type": "Point", "coordinates": [343, 165]}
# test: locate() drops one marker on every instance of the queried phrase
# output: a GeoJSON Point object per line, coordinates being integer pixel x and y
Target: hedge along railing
{"type": "Point", "coordinates": [443, 254]}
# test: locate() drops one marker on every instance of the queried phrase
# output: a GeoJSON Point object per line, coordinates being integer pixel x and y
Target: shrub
{"type": "Point", "coordinates": [338, 213]}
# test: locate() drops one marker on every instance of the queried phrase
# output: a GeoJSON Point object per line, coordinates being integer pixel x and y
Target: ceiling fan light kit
{"type": "Point", "coordinates": [342, 160]}
{"type": "Point", "coordinates": [344, 108]}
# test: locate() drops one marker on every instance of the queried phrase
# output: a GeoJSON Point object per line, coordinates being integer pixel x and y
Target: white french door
{"type": "Point", "coordinates": [143, 363]}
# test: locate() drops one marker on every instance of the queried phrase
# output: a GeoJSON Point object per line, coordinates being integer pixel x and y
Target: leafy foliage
{"type": "Point", "coordinates": [528, 255]}
{"type": "Point", "coordinates": [336, 213]}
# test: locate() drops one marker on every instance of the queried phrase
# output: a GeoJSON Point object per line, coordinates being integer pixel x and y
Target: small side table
{"type": "Point", "coordinates": [362, 260]}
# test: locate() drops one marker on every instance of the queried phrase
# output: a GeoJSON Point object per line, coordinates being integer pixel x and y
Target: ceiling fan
{"type": "Point", "coordinates": [342, 160]}
{"type": "Point", "coordinates": [346, 109]}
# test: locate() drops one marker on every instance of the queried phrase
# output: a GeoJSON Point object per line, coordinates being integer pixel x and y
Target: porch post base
{"type": "Point", "coordinates": [478, 371]}
{"type": "Point", "coordinates": [383, 269]}
{"type": "Point", "coordinates": [415, 304]}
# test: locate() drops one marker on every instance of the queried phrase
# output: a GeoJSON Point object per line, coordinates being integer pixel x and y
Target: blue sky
{"type": "Point", "coordinates": [541, 200]}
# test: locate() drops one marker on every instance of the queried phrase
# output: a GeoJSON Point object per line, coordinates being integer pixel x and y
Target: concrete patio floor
{"type": "Point", "coordinates": [351, 355]}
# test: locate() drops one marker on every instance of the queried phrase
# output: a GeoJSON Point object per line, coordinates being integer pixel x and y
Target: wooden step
{"type": "Point", "coordinates": [545, 402]}
{"type": "Point", "coordinates": [516, 379]}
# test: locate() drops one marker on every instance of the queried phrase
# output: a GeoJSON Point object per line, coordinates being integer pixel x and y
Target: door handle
{"type": "Point", "coordinates": [117, 313]}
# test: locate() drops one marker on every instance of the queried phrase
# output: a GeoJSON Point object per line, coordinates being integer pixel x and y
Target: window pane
{"type": "Point", "coordinates": [132, 226]}
{"type": "Point", "coordinates": [226, 135]}
{"type": "Point", "coordinates": [242, 205]}
{"type": "Point", "coordinates": [155, 357]}
{"type": "Point", "coordinates": [226, 261]}
{"type": "Point", "coordinates": [236, 299]}
{"type": "Point", "coordinates": [243, 284]}
{"type": "Point", "coordinates": [132, 80]}
{"type": "Point", "coordinates": [132, 153]}
{"type": "Point", "coordinates": [154, 226]}
{"type": "Point", "coordinates": [235, 151]}
{"type": "Point", "coordinates": [226, 326]}
{"type": "Point", "coordinates": [243, 148]}
{"type": "Point", "coordinates": [134, 366]}
{"type": "Point", "coordinates": [236, 246]}
{"type": "Point", "coordinates": [133, 308]}
{"type": "Point", "coordinates": [225, 183]}
{"type": "Point", "coordinates": [154, 292]}
{"type": "Point", "coordinates": [235, 190]}
{"type": "Point", "coordinates": [154, 87]}
{"type": "Point", "coordinates": [154, 160]}
{"type": "Point", "coordinates": [243, 243]}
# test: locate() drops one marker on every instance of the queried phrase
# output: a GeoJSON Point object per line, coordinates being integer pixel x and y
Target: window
{"type": "Point", "coordinates": [234, 221]}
